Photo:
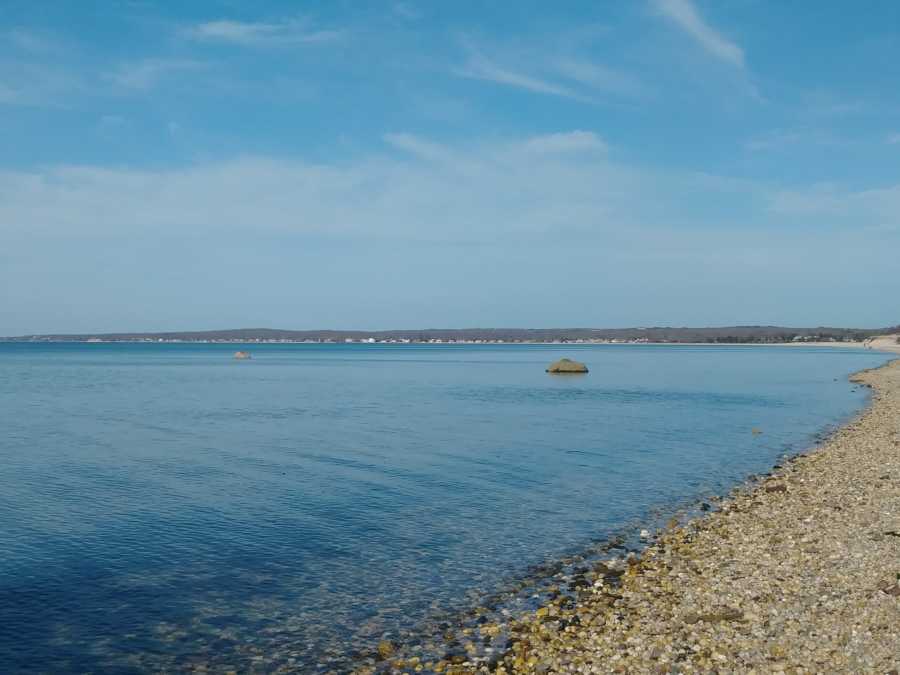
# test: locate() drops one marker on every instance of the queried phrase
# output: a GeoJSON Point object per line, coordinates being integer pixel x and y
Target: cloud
{"type": "Point", "coordinates": [281, 33]}
{"type": "Point", "coordinates": [540, 72]}
{"type": "Point", "coordinates": [573, 141]}
{"type": "Point", "coordinates": [834, 205]}
{"type": "Point", "coordinates": [479, 67]}
{"type": "Point", "coordinates": [418, 188]}
{"type": "Point", "coordinates": [532, 210]}
{"type": "Point", "coordinates": [684, 14]}
{"type": "Point", "coordinates": [407, 10]}
{"type": "Point", "coordinates": [419, 147]}
{"type": "Point", "coordinates": [30, 41]}
{"type": "Point", "coordinates": [33, 84]}
{"type": "Point", "coordinates": [601, 77]}
{"type": "Point", "coordinates": [774, 140]}
{"type": "Point", "coordinates": [558, 185]}
{"type": "Point", "coordinates": [145, 74]}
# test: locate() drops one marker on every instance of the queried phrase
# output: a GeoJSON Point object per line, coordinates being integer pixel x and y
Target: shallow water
{"type": "Point", "coordinates": [164, 505]}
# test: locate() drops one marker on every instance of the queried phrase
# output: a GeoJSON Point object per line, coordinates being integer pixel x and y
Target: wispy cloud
{"type": "Point", "coordinates": [551, 69]}
{"type": "Point", "coordinates": [145, 74]}
{"type": "Point", "coordinates": [685, 15]}
{"type": "Point", "coordinates": [278, 33]}
{"type": "Point", "coordinates": [441, 191]}
{"type": "Point", "coordinates": [836, 205]}
{"type": "Point", "coordinates": [479, 67]}
{"type": "Point", "coordinates": [572, 141]}
{"type": "Point", "coordinates": [773, 140]}
{"type": "Point", "coordinates": [601, 77]}
{"type": "Point", "coordinates": [34, 84]}
{"type": "Point", "coordinates": [422, 148]}
{"type": "Point", "coordinates": [780, 139]}
{"type": "Point", "coordinates": [29, 41]}
{"type": "Point", "coordinates": [407, 10]}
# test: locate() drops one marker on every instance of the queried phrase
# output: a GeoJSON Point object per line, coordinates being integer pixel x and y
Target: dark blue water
{"type": "Point", "coordinates": [163, 506]}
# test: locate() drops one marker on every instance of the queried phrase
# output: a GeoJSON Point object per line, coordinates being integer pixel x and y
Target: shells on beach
{"type": "Point", "coordinates": [567, 366]}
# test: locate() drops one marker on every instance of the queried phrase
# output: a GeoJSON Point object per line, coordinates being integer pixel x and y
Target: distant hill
{"type": "Point", "coordinates": [725, 334]}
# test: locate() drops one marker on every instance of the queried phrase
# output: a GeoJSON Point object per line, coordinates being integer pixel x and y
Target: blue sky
{"type": "Point", "coordinates": [402, 164]}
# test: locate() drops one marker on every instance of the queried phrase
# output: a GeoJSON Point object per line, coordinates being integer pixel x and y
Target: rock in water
{"type": "Point", "coordinates": [242, 355]}
{"type": "Point", "coordinates": [567, 366]}
{"type": "Point", "coordinates": [386, 649]}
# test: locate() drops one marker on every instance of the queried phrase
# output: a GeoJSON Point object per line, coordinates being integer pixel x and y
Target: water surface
{"type": "Point", "coordinates": [163, 505]}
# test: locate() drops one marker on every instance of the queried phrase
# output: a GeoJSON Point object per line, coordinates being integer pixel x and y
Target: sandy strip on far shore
{"type": "Point", "coordinates": [797, 573]}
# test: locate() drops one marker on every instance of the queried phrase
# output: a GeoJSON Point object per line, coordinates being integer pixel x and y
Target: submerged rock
{"type": "Point", "coordinates": [567, 366]}
{"type": "Point", "coordinates": [386, 649]}
{"type": "Point", "coordinates": [242, 355]}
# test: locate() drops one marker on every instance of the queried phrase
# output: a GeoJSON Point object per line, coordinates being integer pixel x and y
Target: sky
{"type": "Point", "coordinates": [400, 164]}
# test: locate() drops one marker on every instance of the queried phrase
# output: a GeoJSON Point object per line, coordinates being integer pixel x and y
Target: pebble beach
{"type": "Point", "coordinates": [797, 571]}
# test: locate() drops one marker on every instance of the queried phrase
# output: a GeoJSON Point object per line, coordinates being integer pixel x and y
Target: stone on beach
{"type": "Point", "coordinates": [567, 366]}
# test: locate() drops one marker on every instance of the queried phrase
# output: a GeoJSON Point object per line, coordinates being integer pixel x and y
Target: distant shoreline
{"type": "Point", "coordinates": [882, 342]}
{"type": "Point", "coordinates": [559, 335]}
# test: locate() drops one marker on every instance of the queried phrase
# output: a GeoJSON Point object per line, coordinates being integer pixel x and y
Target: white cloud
{"type": "Point", "coordinates": [30, 41]}
{"type": "Point", "coordinates": [145, 74]}
{"type": "Point", "coordinates": [835, 205]}
{"type": "Point", "coordinates": [419, 147]}
{"type": "Point", "coordinates": [774, 140]}
{"type": "Point", "coordinates": [684, 14]}
{"type": "Point", "coordinates": [479, 67]}
{"type": "Point", "coordinates": [544, 71]}
{"type": "Point", "coordinates": [407, 11]}
{"type": "Point", "coordinates": [281, 33]}
{"type": "Point", "coordinates": [573, 141]}
{"type": "Point", "coordinates": [602, 78]}
{"type": "Point", "coordinates": [33, 84]}
{"type": "Point", "coordinates": [555, 183]}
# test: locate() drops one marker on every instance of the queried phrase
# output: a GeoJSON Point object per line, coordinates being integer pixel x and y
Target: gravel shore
{"type": "Point", "coordinates": [796, 573]}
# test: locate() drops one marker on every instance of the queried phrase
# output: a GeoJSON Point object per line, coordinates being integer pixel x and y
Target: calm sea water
{"type": "Point", "coordinates": [163, 506]}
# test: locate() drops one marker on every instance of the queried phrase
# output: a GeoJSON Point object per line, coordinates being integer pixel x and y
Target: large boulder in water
{"type": "Point", "coordinates": [567, 366]}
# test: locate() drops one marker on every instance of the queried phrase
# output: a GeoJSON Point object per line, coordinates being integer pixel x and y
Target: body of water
{"type": "Point", "coordinates": [164, 506]}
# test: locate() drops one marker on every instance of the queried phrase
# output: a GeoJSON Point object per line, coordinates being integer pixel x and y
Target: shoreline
{"type": "Point", "coordinates": [848, 344]}
{"type": "Point", "coordinates": [794, 571]}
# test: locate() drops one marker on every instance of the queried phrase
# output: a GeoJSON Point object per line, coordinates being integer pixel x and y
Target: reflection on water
{"type": "Point", "coordinates": [163, 506]}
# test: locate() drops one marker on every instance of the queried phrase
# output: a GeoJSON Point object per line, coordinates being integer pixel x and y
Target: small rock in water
{"type": "Point", "coordinates": [386, 649]}
{"type": "Point", "coordinates": [567, 366]}
{"type": "Point", "coordinates": [242, 356]}
{"type": "Point", "coordinates": [645, 534]}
